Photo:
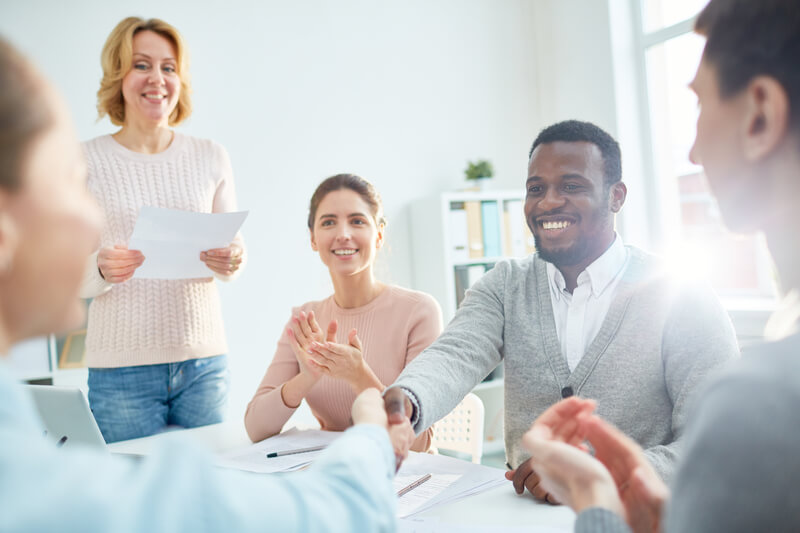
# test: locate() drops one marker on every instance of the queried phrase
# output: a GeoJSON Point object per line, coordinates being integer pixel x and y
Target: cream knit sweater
{"type": "Point", "coordinates": [143, 321]}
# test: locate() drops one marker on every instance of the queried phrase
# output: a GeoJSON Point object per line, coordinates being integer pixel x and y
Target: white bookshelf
{"type": "Point", "coordinates": [435, 260]}
{"type": "Point", "coordinates": [36, 360]}
{"type": "Point", "coordinates": [435, 263]}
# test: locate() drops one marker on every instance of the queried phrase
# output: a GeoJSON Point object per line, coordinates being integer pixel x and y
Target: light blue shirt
{"type": "Point", "coordinates": [44, 488]}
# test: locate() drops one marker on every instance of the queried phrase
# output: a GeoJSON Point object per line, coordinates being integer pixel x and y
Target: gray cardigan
{"type": "Point", "coordinates": [658, 341]}
{"type": "Point", "coordinates": [740, 471]}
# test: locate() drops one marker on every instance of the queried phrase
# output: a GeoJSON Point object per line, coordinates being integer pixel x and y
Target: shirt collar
{"type": "Point", "coordinates": [599, 274]}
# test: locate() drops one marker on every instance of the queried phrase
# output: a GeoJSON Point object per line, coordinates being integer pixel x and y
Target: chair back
{"type": "Point", "coordinates": [462, 429]}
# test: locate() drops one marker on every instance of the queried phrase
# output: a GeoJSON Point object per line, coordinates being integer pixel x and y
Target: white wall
{"type": "Point", "coordinates": [402, 93]}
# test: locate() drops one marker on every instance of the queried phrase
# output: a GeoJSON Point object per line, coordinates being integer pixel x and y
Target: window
{"type": "Point", "coordinates": [693, 233]}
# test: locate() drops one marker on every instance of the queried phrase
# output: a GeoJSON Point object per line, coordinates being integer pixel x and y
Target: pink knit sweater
{"type": "Point", "coordinates": [394, 328]}
{"type": "Point", "coordinates": [144, 321]}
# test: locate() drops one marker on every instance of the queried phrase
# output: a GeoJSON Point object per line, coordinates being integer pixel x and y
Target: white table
{"type": "Point", "coordinates": [499, 507]}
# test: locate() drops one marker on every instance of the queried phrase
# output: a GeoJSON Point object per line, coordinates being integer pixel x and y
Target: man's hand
{"type": "Point", "coordinates": [398, 411]}
{"type": "Point", "coordinates": [369, 409]}
{"type": "Point", "coordinates": [398, 406]}
{"type": "Point", "coordinates": [525, 477]}
{"type": "Point", "coordinates": [559, 422]}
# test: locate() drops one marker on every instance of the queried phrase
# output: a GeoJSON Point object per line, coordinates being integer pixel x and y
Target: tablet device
{"type": "Point", "coordinates": [67, 418]}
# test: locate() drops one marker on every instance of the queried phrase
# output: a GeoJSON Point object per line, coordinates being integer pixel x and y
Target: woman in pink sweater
{"type": "Point", "coordinates": [361, 336]}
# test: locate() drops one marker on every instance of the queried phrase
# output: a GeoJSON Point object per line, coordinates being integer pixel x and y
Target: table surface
{"type": "Point", "coordinates": [500, 506]}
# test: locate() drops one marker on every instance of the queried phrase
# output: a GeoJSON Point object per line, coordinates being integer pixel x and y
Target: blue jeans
{"type": "Point", "coordinates": [136, 401]}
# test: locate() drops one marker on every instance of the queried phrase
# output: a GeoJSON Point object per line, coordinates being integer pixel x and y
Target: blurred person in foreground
{"type": "Point", "coordinates": [48, 227]}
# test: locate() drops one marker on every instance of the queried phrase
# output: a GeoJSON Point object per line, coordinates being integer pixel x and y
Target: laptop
{"type": "Point", "coordinates": [67, 418]}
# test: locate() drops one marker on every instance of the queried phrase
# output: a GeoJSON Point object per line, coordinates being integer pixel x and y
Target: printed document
{"type": "Point", "coordinates": [171, 241]}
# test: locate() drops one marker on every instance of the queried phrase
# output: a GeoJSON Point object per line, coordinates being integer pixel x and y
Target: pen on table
{"type": "Point", "coordinates": [299, 450]}
{"type": "Point", "coordinates": [414, 485]}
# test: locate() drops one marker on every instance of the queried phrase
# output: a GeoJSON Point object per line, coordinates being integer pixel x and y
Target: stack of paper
{"type": "Point", "coordinates": [456, 480]}
{"type": "Point", "coordinates": [417, 498]}
{"type": "Point", "coordinates": [253, 458]}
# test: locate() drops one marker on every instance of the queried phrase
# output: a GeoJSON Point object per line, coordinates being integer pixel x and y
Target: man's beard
{"type": "Point", "coordinates": [569, 256]}
{"type": "Point", "coordinates": [579, 251]}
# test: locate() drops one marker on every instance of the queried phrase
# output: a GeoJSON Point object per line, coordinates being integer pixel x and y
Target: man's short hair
{"type": "Point", "coordinates": [749, 38]}
{"type": "Point", "coordinates": [577, 131]}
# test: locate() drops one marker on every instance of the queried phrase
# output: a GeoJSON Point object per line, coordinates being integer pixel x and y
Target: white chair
{"type": "Point", "coordinates": [462, 430]}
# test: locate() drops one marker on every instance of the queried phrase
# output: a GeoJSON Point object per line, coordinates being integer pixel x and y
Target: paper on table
{"type": "Point", "coordinates": [470, 478]}
{"type": "Point", "coordinates": [414, 499]}
{"type": "Point", "coordinates": [434, 525]}
{"type": "Point", "coordinates": [253, 458]}
{"type": "Point", "coordinates": [171, 240]}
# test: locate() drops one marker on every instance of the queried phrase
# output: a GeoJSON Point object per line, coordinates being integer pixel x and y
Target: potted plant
{"type": "Point", "coordinates": [480, 172]}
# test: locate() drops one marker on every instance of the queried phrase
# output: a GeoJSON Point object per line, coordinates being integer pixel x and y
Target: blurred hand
{"type": "Point", "coordinates": [398, 406]}
{"type": "Point", "coordinates": [402, 437]}
{"type": "Point", "coordinates": [642, 491]}
{"type": "Point", "coordinates": [118, 264]}
{"type": "Point", "coordinates": [368, 409]}
{"type": "Point", "coordinates": [570, 474]}
{"type": "Point", "coordinates": [223, 261]}
{"type": "Point", "coordinates": [398, 411]}
{"type": "Point", "coordinates": [304, 330]}
{"type": "Point", "coordinates": [560, 421]}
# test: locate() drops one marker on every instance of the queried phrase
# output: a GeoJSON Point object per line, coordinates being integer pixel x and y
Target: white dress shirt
{"type": "Point", "coordinates": [579, 315]}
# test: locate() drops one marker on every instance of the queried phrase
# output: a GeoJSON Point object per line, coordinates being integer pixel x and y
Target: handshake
{"type": "Point", "coordinates": [392, 412]}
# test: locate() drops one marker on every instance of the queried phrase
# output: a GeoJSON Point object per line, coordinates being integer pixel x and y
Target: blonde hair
{"type": "Point", "coordinates": [117, 59]}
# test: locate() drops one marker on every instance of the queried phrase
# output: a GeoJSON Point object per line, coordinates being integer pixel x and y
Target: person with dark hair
{"type": "Point", "coordinates": [739, 471]}
{"type": "Point", "coordinates": [583, 315]}
{"type": "Point", "coordinates": [384, 326]}
{"type": "Point", "coordinates": [49, 225]}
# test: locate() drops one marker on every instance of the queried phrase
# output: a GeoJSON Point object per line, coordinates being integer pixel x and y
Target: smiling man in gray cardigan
{"type": "Point", "coordinates": [585, 315]}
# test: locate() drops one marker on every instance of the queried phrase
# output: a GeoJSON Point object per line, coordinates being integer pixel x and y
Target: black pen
{"type": "Point", "coordinates": [290, 452]}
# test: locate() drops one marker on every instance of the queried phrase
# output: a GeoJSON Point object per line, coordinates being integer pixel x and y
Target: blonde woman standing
{"type": "Point", "coordinates": [155, 348]}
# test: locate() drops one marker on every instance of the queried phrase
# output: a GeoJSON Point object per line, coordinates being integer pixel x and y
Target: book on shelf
{"type": "Point", "coordinates": [514, 222]}
{"type": "Point", "coordinates": [474, 229]}
{"type": "Point", "coordinates": [490, 223]}
{"type": "Point", "coordinates": [466, 276]}
{"type": "Point", "coordinates": [459, 244]}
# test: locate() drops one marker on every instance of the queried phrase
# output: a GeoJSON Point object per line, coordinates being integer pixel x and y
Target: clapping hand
{"type": "Point", "coordinates": [560, 421]}
{"type": "Point", "coordinates": [304, 330]}
{"type": "Point", "coordinates": [342, 361]}
{"type": "Point", "coordinates": [642, 491]}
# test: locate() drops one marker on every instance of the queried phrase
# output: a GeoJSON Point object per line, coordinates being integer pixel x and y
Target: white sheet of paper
{"type": "Point", "coordinates": [253, 458]}
{"type": "Point", "coordinates": [468, 479]}
{"type": "Point", "coordinates": [414, 499]}
{"type": "Point", "coordinates": [171, 241]}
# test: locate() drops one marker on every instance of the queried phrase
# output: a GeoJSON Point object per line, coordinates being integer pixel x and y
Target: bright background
{"type": "Point", "coordinates": [402, 93]}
